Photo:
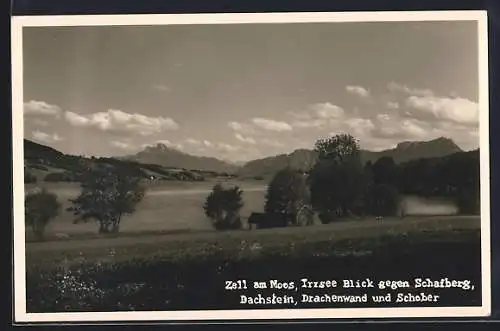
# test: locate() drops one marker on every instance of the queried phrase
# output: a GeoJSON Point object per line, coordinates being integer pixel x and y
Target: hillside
{"type": "Point", "coordinates": [304, 159]}
{"type": "Point", "coordinates": [45, 163]}
{"type": "Point", "coordinates": [172, 158]}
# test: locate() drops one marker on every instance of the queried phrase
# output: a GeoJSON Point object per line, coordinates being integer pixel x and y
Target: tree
{"type": "Point", "coordinates": [287, 194]}
{"type": "Point", "coordinates": [107, 194]}
{"type": "Point", "coordinates": [223, 206]}
{"type": "Point", "coordinates": [385, 171]}
{"type": "Point", "coordinates": [338, 148]}
{"type": "Point", "coordinates": [383, 200]}
{"type": "Point", "coordinates": [337, 180]}
{"type": "Point", "coordinates": [40, 208]}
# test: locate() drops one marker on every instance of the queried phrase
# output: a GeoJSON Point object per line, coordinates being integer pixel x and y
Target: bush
{"type": "Point", "coordinates": [222, 206]}
{"type": "Point", "coordinates": [40, 208]}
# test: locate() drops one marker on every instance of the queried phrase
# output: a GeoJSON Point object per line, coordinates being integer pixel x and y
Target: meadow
{"type": "Point", "coordinates": [156, 260]}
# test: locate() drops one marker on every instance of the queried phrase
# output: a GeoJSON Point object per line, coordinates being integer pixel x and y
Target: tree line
{"type": "Point", "coordinates": [338, 186]}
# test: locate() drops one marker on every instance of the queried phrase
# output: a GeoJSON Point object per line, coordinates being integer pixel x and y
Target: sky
{"type": "Point", "coordinates": [245, 91]}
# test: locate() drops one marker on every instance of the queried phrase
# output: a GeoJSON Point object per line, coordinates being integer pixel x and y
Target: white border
{"type": "Point", "coordinates": [19, 22]}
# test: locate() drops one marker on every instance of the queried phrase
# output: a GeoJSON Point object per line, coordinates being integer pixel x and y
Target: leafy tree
{"type": "Point", "coordinates": [383, 200]}
{"type": "Point", "coordinates": [287, 194]}
{"type": "Point", "coordinates": [337, 189]}
{"type": "Point", "coordinates": [384, 171]}
{"type": "Point", "coordinates": [107, 194]}
{"type": "Point", "coordinates": [40, 208]}
{"type": "Point", "coordinates": [223, 206]}
{"type": "Point", "coordinates": [338, 179]}
{"type": "Point", "coordinates": [339, 147]}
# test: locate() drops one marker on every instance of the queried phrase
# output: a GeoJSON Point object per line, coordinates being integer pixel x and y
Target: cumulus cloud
{"type": "Point", "coordinates": [317, 116]}
{"type": "Point", "coordinates": [271, 125]}
{"type": "Point", "coordinates": [46, 137]}
{"type": "Point", "coordinates": [34, 107]}
{"type": "Point", "coordinates": [359, 126]}
{"type": "Point", "coordinates": [327, 110]}
{"type": "Point", "coordinates": [119, 121]}
{"type": "Point", "coordinates": [387, 126]}
{"type": "Point", "coordinates": [241, 127]}
{"type": "Point", "coordinates": [248, 140]}
{"type": "Point", "coordinates": [396, 87]}
{"type": "Point", "coordinates": [358, 90]}
{"type": "Point", "coordinates": [458, 110]}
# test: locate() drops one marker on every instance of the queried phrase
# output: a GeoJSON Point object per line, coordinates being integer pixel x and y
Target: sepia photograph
{"type": "Point", "coordinates": [251, 166]}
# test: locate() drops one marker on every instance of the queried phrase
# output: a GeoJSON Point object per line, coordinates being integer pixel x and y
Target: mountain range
{"type": "Point", "coordinates": [303, 159]}
{"type": "Point", "coordinates": [160, 159]}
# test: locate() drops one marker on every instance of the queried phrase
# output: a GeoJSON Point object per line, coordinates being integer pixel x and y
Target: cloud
{"type": "Point", "coordinates": [192, 141]}
{"type": "Point", "coordinates": [122, 145]}
{"type": "Point", "coordinates": [360, 126]}
{"type": "Point", "coordinates": [248, 140]}
{"type": "Point", "coordinates": [318, 115]}
{"type": "Point", "coordinates": [396, 87]}
{"type": "Point", "coordinates": [327, 110]}
{"type": "Point", "coordinates": [34, 107]}
{"type": "Point", "coordinates": [394, 127]}
{"type": "Point", "coordinates": [162, 88]}
{"type": "Point", "coordinates": [40, 122]}
{"type": "Point", "coordinates": [271, 125]}
{"type": "Point", "coordinates": [271, 142]}
{"type": "Point", "coordinates": [45, 137]}
{"type": "Point", "coordinates": [119, 121]}
{"type": "Point", "coordinates": [392, 105]}
{"type": "Point", "coordinates": [458, 110]}
{"type": "Point", "coordinates": [207, 143]}
{"type": "Point", "coordinates": [358, 90]}
{"type": "Point", "coordinates": [227, 147]}
{"type": "Point", "coordinates": [241, 127]}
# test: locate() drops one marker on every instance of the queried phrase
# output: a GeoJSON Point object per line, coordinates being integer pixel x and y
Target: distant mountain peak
{"type": "Point", "coordinates": [171, 157]}
{"type": "Point", "coordinates": [441, 142]}
{"type": "Point", "coordinates": [161, 148]}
